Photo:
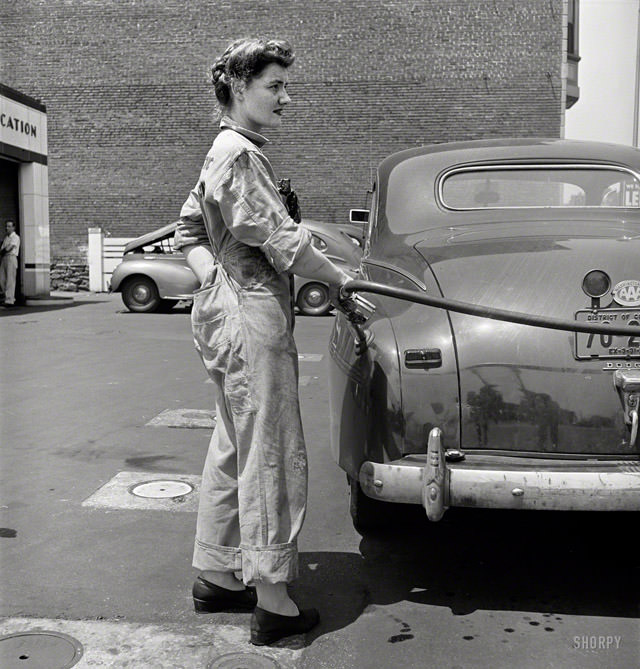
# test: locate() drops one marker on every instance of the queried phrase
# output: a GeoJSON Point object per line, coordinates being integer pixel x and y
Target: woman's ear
{"type": "Point", "coordinates": [238, 87]}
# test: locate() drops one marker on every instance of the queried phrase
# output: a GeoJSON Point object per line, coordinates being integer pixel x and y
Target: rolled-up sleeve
{"type": "Point", "coordinates": [255, 214]}
{"type": "Point", "coordinates": [190, 229]}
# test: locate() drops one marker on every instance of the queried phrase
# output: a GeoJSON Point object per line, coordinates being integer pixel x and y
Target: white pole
{"type": "Point", "coordinates": [95, 260]}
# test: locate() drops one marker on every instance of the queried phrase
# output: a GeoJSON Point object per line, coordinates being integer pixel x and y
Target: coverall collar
{"type": "Point", "coordinates": [255, 137]}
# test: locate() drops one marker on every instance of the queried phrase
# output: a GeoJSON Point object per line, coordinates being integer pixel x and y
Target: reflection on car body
{"type": "Point", "coordinates": [447, 409]}
{"type": "Point", "coordinates": [153, 276]}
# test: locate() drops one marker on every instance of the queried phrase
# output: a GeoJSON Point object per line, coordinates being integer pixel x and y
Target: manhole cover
{"type": "Point", "coordinates": [243, 661]}
{"type": "Point", "coordinates": [161, 489]}
{"type": "Point", "coordinates": [41, 650]}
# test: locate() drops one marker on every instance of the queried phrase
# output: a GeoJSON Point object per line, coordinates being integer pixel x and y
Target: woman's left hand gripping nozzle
{"type": "Point", "coordinates": [358, 311]}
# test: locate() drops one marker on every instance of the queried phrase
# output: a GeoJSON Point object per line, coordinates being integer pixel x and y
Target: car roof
{"type": "Point", "coordinates": [407, 195]}
{"type": "Point", "coordinates": [439, 156]}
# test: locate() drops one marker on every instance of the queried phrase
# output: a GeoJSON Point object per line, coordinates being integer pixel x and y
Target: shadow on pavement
{"type": "Point", "coordinates": [177, 309]}
{"type": "Point", "coordinates": [551, 564]}
{"type": "Point", "coordinates": [24, 309]}
{"type": "Point", "coordinates": [299, 314]}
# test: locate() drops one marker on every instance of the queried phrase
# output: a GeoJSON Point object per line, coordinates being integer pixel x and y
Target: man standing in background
{"type": "Point", "coordinates": [9, 264]}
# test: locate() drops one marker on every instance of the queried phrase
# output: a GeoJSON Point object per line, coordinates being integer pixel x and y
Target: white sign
{"type": "Point", "coordinates": [632, 195]}
{"type": "Point", "coordinates": [627, 293]}
{"type": "Point", "coordinates": [22, 126]}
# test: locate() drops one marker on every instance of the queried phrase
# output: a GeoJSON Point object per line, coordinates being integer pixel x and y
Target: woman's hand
{"type": "Point", "coordinates": [336, 294]}
{"type": "Point", "coordinates": [345, 302]}
{"type": "Point", "coordinates": [200, 260]}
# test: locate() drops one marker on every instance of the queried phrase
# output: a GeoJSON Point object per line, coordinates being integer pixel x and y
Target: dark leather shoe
{"type": "Point", "coordinates": [267, 627]}
{"type": "Point", "coordinates": [209, 598]}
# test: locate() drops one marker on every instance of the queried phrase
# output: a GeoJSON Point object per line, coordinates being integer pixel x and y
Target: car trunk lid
{"type": "Point", "coordinates": [522, 388]}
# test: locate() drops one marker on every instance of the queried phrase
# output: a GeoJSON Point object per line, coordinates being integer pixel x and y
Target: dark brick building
{"type": "Point", "coordinates": [130, 111]}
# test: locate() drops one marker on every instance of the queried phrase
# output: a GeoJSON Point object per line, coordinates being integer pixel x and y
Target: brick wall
{"type": "Point", "coordinates": [130, 111]}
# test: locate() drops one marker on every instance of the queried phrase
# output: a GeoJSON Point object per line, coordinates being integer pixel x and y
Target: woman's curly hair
{"type": "Point", "coordinates": [245, 59]}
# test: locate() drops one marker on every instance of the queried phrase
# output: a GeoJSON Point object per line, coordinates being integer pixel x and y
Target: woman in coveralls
{"type": "Point", "coordinates": [242, 244]}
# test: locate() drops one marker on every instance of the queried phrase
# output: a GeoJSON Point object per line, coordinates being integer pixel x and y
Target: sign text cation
{"type": "Point", "coordinates": [14, 123]}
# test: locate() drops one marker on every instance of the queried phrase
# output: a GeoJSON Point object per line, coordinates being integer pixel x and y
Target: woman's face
{"type": "Point", "coordinates": [259, 103]}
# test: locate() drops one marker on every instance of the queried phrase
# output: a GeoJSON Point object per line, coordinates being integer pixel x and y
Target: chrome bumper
{"type": "Point", "coordinates": [502, 482]}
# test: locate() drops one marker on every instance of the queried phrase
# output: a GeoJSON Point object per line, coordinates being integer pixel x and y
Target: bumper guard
{"type": "Point", "coordinates": [502, 482]}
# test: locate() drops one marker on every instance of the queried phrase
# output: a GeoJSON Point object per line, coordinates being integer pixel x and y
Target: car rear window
{"type": "Point", "coordinates": [502, 187]}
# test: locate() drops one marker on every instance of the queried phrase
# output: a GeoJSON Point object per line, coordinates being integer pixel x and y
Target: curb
{"type": "Point", "coordinates": [48, 300]}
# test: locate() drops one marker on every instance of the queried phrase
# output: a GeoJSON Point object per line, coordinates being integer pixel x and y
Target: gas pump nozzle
{"type": "Point", "coordinates": [358, 310]}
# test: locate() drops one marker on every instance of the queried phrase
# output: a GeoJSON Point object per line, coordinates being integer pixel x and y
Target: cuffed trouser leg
{"type": "Point", "coordinates": [217, 546]}
{"type": "Point", "coordinates": [258, 420]}
{"type": "Point", "coordinates": [273, 472]}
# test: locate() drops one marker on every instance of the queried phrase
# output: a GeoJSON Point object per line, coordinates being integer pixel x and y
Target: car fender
{"type": "Point", "coordinates": [365, 403]}
{"type": "Point", "coordinates": [171, 275]}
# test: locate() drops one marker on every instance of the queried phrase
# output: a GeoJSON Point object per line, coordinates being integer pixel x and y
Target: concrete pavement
{"type": "Point", "coordinates": [87, 389]}
{"type": "Point", "coordinates": [89, 394]}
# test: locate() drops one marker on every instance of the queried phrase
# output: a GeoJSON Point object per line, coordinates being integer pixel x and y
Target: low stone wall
{"type": "Point", "coordinates": [70, 274]}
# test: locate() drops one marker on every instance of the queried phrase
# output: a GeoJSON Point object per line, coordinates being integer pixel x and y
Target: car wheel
{"type": "Point", "coordinates": [367, 513]}
{"type": "Point", "coordinates": [313, 299]}
{"type": "Point", "coordinates": [140, 294]}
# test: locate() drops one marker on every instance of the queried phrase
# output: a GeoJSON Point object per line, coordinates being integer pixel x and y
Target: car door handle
{"type": "Point", "coordinates": [422, 358]}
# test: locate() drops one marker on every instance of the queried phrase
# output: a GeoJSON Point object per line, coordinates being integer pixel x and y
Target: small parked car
{"type": "Point", "coordinates": [153, 276]}
{"type": "Point", "coordinates": [442, 408]}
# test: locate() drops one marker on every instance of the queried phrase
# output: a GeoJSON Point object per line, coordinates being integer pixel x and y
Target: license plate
{"type": "Point", "coordinates": [601, 346]}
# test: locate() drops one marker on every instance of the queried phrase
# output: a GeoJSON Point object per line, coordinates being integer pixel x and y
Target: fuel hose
{"type": "Point", "coordinates": [357, 285]}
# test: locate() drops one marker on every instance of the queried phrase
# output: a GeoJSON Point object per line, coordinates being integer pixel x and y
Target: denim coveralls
{"type": "Point", "coordinates": [254, 484]}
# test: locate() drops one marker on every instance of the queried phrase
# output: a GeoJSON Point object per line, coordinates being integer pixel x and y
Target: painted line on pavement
{"type": "Point", "coordinates": [116, 493]}
{"type": "Point", "coordinates": [192, 418]}
{"type": "Point", "coordinates": [190, 645]}
{"type": "Point", "coordinates": [310, 357]}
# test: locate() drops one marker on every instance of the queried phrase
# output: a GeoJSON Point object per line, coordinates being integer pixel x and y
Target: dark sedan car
{"type": "Point", "coordinates": [447, 409]}
{"type": "Point", "coordinates": [153, 276]}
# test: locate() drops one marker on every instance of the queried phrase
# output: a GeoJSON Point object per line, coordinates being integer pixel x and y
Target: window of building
{"type": "Point", "coordinates": [572, 28]}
